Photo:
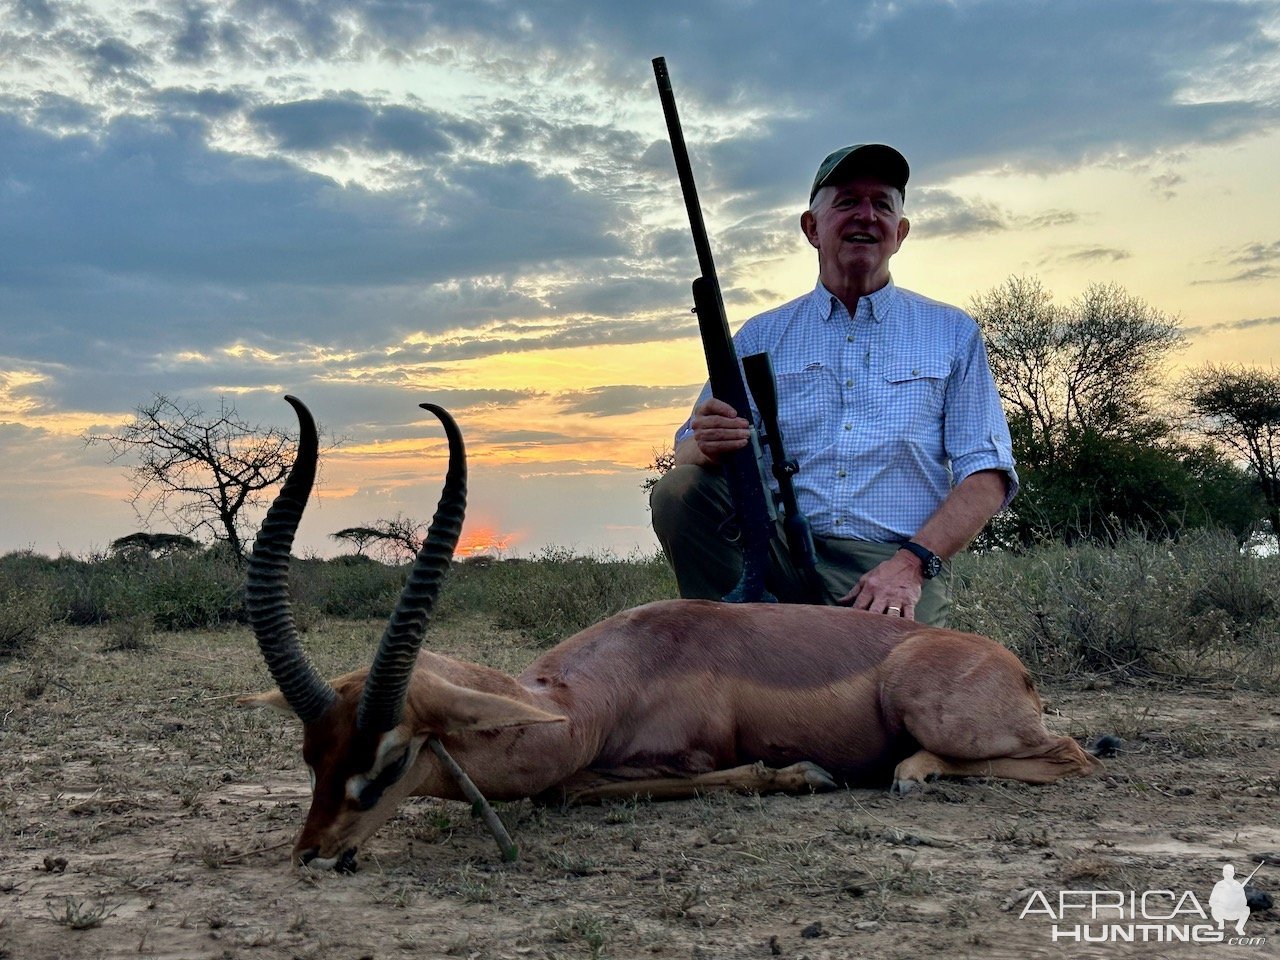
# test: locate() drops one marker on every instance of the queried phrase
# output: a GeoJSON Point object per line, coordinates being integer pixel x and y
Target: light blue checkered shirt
{"type": "Point", "coordinates": [884, 411]}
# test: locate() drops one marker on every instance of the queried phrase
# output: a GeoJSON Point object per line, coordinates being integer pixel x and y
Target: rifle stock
{"type": "Point", "coordinates": [752, 498]}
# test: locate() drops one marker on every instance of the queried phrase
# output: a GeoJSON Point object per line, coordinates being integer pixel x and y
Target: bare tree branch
{"type": "Point", "coordinates": [199, 471]}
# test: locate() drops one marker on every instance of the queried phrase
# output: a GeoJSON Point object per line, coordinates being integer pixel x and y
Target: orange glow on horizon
{"type": "Point", "coordinates": [482, 540]}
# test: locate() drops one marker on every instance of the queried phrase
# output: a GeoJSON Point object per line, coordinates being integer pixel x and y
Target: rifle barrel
{"type": "Point", "coordinates": [684, 169]}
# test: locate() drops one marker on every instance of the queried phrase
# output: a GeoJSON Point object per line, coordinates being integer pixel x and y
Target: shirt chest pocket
{"type": "Point", "coordinates": [914, 390]}
{"type": "Point", "coordinates": [808, 406]}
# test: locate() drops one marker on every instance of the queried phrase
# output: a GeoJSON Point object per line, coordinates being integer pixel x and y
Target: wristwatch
{"type": "Point", "coordinates": [930, 562]}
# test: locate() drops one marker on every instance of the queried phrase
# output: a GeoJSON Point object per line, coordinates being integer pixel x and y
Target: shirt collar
{"type": "Point", "coordinates": [878, 302]}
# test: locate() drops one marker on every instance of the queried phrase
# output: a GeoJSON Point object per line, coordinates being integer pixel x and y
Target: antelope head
{"type": "Point", "coordinates": [363, 753]}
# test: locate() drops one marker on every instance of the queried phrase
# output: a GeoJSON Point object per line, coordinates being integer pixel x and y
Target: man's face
{"type": "Point", "coordinates": [856, 226]}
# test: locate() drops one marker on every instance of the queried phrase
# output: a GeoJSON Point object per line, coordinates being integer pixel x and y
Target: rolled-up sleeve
{"type": "Point", "coordinates": [975, 432]}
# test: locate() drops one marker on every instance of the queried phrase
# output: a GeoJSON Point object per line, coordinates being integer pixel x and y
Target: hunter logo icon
{"type": "Point", "coordinates": [1228, 901]}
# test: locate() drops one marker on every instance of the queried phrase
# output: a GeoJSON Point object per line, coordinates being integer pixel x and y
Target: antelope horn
{"type": "Point", "coordinates": [382, 703]}
{"type": "Point", "coordinates": [267, 589]}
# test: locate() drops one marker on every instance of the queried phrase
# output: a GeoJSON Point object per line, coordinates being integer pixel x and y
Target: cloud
{"type": "Point", "coordinates": [617, 400]}
{"type": "Point", "coordinates": [936, 212]}
{"type": "Point", "coordinates": [339, 199]}
{"type": "Point", "coordinates": [1096, 254]}
{"type": "Point", "coordinates": [582, 332]}
{"type": "Point", "coordinates": [351, 121]}
{"type": "Point", "coordinates": [1267, 254]}
{"type": "Point", "coordinates": [941, 213]}
{"type": "Point", "coordinates": [1261, 261]}
{"type": "Point", "coordinates": [153, 234]}
{"type": "Point", "coordinates": [1232, 326]}
{"type": "Point", "coordinates": [517, 439]}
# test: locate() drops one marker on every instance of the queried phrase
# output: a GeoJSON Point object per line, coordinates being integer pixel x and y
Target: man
{"type": "Point", "coordinates": [885, 400]}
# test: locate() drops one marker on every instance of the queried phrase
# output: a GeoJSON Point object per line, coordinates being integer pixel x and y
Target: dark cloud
{"type": "Point", "coordinates": [584, 332]}
{"type": "Point", "coordinates": [1259, 253]}
{"type": "Point", "coordinates": [943, 213]}
{"type": "Point", "coordinates": [196, 39]}
{"type": "Point", "coordinates": [166, 235]}
{"type": "Point", "coordinates": [12, 434]}
{"type": "Point", "coordinates": [148, 222]}
{"type": "Point", "coordinates": [940, 213]}
{"type": "Point", "coordinates": [206, 102]}
{"type": "Point", "coordinates": [612, 401]}
{"type": "Point", "coordinates": [350, 121]}
{"type": "Point", "coordinates": [1165, 184]}
{"type": "Point", "coordinates": [115, 59]}
{"type": "Point", "coordinates": [37, 12]}
{"type": "Point", "coordinates": [1251, 275]}
{"type": "Point", "coordinates": [1261, 261]}
{"type": "Point", "coordinates": [57, 112]}
{"type": "Point", "coordinates": [1050, 218]}
{"type": "Point", "coordinates": [1232, 326]}
{"type": "Point", "coordinates": [1096, 254]}
{"type": "Point", "coordinates": [518, 439]}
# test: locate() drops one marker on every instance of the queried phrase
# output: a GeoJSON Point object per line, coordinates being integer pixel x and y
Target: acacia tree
{"type": "Point", "coordinates": [200, 471]}
{"type": "Point", "coordinates": [398, 538]}
{"type": "Point", "coordinates": [1093, 366]}
{"type": "Point", "coordinates": [1238, 408]}
{"type": "Point", "coordinates": [358, 537]}
{"type": "Point", "coordinates": [1096, 454]}
{"type": "Point", "coordinates": [138, 546]}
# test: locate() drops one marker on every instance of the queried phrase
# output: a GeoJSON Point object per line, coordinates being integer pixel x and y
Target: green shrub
{"type": "Point", "coordinates": [1141, 609]}
{"type": "Point", "coordinates": [24, 615]}
{"type": "Point", "coordinates": [555, 594]}
{"type": "Point", "coordinates": [350, 587]}
{"type": "Point", "coordinates": [1198, 608]}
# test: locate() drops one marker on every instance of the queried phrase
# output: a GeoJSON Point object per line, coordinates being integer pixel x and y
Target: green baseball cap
{"type": "Point", "coordinates": [877, 159]}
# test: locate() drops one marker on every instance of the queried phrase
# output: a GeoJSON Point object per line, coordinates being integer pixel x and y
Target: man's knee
{"type": "Point", "coordinates": [683, 490]}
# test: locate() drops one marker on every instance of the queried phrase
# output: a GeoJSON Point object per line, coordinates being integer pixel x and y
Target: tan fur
{"type": "Point", "coordinates": [681, 692]}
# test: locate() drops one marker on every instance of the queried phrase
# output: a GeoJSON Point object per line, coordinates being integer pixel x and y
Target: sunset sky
{"type": "Point", "coordinates": [373, 203]}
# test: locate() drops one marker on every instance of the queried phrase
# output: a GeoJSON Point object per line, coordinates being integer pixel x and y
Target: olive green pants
{"type": "Point", "coordinates": [693, 517]}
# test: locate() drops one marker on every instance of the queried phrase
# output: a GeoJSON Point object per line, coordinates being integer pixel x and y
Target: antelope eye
{"type": "Point", "coordinates": [372, 791]}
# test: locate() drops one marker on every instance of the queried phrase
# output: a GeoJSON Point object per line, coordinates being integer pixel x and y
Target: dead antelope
{"type": "Point", "coordinates": [667, 700]}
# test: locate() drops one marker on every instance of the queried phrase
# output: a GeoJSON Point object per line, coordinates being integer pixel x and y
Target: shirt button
{"type": "Point", "coordinates": [842, 474]}
{"type": "Point", "coordinates": [848, 426]}
{"type": "Point", "coordinates": [848, 383]}
{"type": "Point", "coordinates": [849, 337]}
{"type": "Point", "coordinates": [839, 520]}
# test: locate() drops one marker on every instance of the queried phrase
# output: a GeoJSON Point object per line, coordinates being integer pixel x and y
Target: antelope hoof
{"type": "Point", "coordinates": [902, 786]}
{"type": "Point", "coordinates": [815, 778]}
{"type": "Point", "coordinates": [912, 773]}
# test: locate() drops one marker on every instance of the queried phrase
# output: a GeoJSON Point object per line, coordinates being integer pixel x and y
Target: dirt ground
{"type": "Point", "coordinates": [144, 816]}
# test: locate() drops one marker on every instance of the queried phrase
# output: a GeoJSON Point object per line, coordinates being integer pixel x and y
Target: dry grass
{"type": "Point", "coordinates": [146, 816]}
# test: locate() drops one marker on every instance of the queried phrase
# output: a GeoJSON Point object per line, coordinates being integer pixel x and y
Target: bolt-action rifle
{"type": "Point", "coordinates": [752, 496]}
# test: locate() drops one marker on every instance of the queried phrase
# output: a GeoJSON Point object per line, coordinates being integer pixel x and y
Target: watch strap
{"type": "Point", "coordinates": [930, 562]}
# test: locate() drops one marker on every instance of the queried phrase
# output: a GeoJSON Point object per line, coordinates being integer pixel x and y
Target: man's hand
{"type": "Point", "coordinates": [717, 431]}
{"type": "Point", "coordinates": [891, 588]}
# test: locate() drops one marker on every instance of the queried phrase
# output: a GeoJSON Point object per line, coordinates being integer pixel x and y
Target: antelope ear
{"type": "Point", "coordinates": [445, 707]}
{"type": "Point", "coordinates": [267, 700]}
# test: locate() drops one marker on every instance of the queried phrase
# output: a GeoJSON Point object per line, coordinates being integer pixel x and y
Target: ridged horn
{"type": "Point", "coordinates": [382, 703]}
{"type": "Point", "coordinates": [267, 589]}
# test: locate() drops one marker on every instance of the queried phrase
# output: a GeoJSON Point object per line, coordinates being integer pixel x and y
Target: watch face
{"type": "Point", "coordinates": [930, 563]}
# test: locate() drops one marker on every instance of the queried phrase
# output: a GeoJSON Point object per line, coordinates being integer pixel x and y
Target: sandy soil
{"type": "Point", "coordinates": [144, 816]}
